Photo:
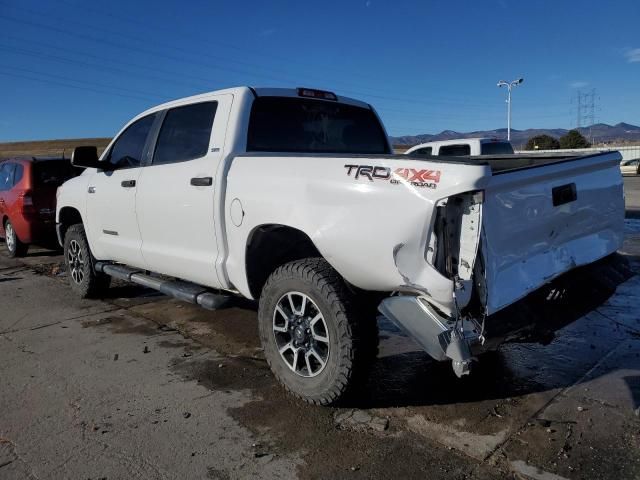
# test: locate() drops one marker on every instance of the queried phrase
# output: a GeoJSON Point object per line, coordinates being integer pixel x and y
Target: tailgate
{"type": "Point", "coordinates": [541, 221]}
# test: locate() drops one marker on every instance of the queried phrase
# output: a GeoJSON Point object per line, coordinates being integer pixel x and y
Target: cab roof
{"type": "Point", "coordinates": [257, 91]}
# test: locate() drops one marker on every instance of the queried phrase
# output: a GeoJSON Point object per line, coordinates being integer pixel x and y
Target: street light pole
{"type": "Point", "coordinates": [509, 85]}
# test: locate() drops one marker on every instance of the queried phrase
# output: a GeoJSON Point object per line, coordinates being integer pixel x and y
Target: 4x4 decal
{"type": "Point", "coordinates": [416, 177]}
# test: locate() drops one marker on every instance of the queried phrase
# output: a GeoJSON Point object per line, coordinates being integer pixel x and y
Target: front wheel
{"type": "Point", "coordinates": [84, 280]}
{"type": "Point", "coordinates": [15, 248]}
{"type": "Point", "coordinates": [317, 343]}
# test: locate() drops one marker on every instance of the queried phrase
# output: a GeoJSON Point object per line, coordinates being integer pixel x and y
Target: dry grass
{"type": "Point", "coordinates": [49, 148]}
{"type": "Point", "coordinates": [401, 148]}
{"type": "Point", "coordinates": [55, 148]}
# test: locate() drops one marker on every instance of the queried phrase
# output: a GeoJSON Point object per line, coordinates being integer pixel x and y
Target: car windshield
{"type": "Point", "coordinates": [283, 124]}
{"type": "Point", "coordinates": [53, 173]}
{"type": "Point", "coordinates": [496, 148]}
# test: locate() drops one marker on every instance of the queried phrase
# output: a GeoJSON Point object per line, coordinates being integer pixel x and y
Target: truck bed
{"type": "Point", "coordinates": [506, 163]}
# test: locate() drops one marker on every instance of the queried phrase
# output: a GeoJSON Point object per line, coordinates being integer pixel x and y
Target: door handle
{"type": "Point", "coordinates": [128, 183]}
{"type": "Point", "coordinates": [91, 189]}
{"type": "Point", "coordinates": [202, 181]}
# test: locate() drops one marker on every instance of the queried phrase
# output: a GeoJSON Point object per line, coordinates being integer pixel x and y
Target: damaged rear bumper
{"type": "Point", "coordinates": [441, 337]}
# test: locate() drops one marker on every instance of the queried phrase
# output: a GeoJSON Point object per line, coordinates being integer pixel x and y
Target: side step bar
{"type": "Point", "coordinates": [181, 290]}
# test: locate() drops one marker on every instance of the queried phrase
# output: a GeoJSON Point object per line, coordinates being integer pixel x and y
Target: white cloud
{"type": "Point", "coordinates": [633, 55]}
{"type": "Point", "coordinates": [578, 84]}
{"type": "Point", "coordinates": [267, 32]}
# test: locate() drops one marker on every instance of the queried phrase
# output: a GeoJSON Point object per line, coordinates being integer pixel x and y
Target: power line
{"type": "Point", "coordinates": [199, 63]}
{"type": "Point", "coordinates": [43, 79]}
{"type": "Point", "coordinates": [409, 100]}
{"type": "Point", "coordinates": [99, 66]}
{"type": "Point", "coordinates": [140, 93]}
{"type": "Point", "coordinates": [481, 108]}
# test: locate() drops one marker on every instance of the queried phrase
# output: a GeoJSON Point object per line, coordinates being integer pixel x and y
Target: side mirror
{"type": "Point", "coordinates": [85, 157]}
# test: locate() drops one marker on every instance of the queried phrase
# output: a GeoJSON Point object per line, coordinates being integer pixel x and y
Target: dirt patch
{"type": "Point", "coordinates": [178, 344]}
{"type": "Point", "coordinates": [283, 425]}
{"type": "Point", "coordinates": [228, 373]}
{"type": "Point", "coordinates": [230, 331]}
{"type": "Point", "coordinates": [124, 324]}
{"type": "Point", "coordinates": [602, 444]}
{"type": "Point", "coordinates": [51, 269]}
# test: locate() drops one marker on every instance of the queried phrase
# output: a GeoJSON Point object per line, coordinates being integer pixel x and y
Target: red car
{"type": "Point", "coordinates": [28, 200]}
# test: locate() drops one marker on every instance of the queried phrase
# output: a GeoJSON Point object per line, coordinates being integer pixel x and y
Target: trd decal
{"type": "Point", "coordinates": [416, 177]}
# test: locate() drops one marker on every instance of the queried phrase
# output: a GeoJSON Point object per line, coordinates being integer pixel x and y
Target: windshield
{"type": "Point", "coordinates": [53, 173]}
{"type": "Point", "coordinates": [496, 148]}
{"type": "Point", "coordinates": [283, 124]}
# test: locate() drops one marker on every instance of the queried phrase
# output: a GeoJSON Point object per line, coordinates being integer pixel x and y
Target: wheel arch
{"type": "Point", "coordinates": [3, 221]}
{"type": "Point", "coordinates": [66, 217]}
{"type": "Point", "coordinates": [271, 245]}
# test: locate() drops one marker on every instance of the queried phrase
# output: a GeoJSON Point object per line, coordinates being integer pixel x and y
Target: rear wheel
{"type": "Point", "coordinates": [316, 341]}
{"type": "Point", "coordinates": [15, 248]}
{"type": "Point", "coordinates": [84, 280]}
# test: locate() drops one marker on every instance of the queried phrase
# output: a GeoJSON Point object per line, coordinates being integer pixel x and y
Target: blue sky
{"type": "Point", "coordinates": [73, 68]}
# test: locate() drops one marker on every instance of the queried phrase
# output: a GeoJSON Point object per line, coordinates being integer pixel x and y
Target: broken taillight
{"type": "Point", "coordinates": [453, 243]}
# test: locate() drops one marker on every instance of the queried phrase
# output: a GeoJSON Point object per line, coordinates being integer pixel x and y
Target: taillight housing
{"type": "Point", "coordinates": [26, 202]}
{"type": "Point", "coordinates": [453, 244]}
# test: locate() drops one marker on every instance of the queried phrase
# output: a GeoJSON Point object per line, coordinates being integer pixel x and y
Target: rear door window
{"type": "Point", "coordinates": [423, 151]}
{"type": "Point", "coordinates": [18, 173]}
{"type": "Point", "coordinates": [127, 150]}
{"type": "Point", "coordinates": [6, 176]}
{"type": "Point", "coordinates": [53, 173]}
{"type": "Point", "coordinates": [455, 150]}
{"type": "Point", "coordinates": [185, 133]}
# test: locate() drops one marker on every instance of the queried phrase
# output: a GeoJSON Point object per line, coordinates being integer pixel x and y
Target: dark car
{"type": "Point", "coordinates": [28, 200]}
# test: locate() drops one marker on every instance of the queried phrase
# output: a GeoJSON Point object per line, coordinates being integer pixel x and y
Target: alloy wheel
{"type": "Point", "coordinates": [301, 334]}
{"type": "Point", "coordinates": [10, 237]}
{"type": "Point", "coordinates": [75, 259]}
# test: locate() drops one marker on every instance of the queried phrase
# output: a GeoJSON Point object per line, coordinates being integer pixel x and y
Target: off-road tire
{"type": "Point", "coordinates": [14, 247]}
{"type": "Point", "coordinates": [91, 284]}
{"type": "Point", "coordinates": [353, 335]}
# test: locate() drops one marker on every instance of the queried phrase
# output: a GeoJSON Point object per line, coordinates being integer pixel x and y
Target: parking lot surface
{"type": "Point", "coordinates": [137, 385]}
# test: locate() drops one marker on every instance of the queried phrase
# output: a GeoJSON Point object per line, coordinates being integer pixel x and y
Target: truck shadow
{"type": "Point", "coordinates": [550, 350]}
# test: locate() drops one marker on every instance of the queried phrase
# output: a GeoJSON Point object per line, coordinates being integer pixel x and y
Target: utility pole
{"type": "Point", "coordinates": [579, 109]}
{"type": "Point", "coordinates": [586, 110]}
{"type": "Point", "coordinates": [509, 85]}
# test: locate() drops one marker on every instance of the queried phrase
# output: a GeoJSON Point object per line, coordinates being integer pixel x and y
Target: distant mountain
{"type": "Point", "coordinates": [600, 132]}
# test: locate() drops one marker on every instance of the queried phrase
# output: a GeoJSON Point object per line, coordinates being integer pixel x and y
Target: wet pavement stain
{"type": "Point", "coordinates": [283, 424]}
{"type": "Point", "coordinates": [125, 324]}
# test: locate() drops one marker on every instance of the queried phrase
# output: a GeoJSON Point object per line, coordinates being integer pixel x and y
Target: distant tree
{"type": "Point", "coordinates": [542, 142]}
{"type": "Point", "coordinates": [574, 139]}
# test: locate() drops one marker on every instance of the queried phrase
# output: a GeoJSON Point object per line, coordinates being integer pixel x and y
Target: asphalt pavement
{"type": "Point", "coordinates": [137, 385]}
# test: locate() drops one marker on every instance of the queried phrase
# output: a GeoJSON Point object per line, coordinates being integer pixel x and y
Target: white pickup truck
{"type": "Point", "coordinates": [462, 147]}
{"type": "Point", "coordinates": [293, 198]}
